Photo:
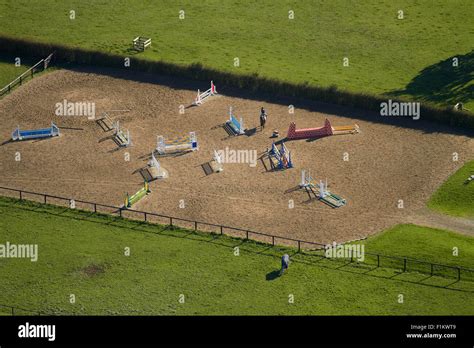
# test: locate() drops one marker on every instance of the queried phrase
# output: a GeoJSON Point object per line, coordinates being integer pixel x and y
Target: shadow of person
{"type": "Point", "coordinates": [250, 132]}
{"type": "Point", "coordinates": [273, 275]}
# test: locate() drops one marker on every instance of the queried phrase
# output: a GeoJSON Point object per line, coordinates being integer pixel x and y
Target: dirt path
{"type": "Point", "coordinates": [429, 218]}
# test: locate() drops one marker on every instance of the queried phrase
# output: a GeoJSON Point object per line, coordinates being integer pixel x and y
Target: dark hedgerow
{"type": "Point", "coordinates": [251, 82]}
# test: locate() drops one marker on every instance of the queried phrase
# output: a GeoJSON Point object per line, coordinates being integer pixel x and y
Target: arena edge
{"type": "Point", "coordinates": [254, 83]}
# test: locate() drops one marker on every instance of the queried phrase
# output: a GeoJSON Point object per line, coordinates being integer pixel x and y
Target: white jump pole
{"type": "Point", "coordinates": [198, 99]}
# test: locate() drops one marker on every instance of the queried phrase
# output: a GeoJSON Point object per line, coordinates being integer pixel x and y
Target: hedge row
{"type": "Point", "coordinates": [254, 83]}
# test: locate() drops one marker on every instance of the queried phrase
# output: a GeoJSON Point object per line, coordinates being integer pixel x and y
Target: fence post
{"type": "Point", "coordinates": [273, 240]}
{"type": "Point", "coordinates": [404, 265]}
{"type": "Point", "coordinates": [171, 221]}
{"type": "Point", "coordinates": [459, 273]}
{"type": "Point", "coordinates": [195, 226]}
{"type": "Point", "coordinates": [351, 256]}
{"type": "Point", "coordinates": [95, 208]}
{"type": "Point", "coordinates": [247, 235]}
{"type": "Point", "coordinates": [299, 245]}
{"type": "Point", "coordinates": [221, 230]}
{"type": "Point", "coordinates": [378, 260]}
{"type": "Point", "coordinates": [44, 199]}
{"type": "Point", "coordinates": [144, 213]}
{"type": "Point", "coordinates": [120, 212]}
{"type": "Point", "coordinates": [21, 195]}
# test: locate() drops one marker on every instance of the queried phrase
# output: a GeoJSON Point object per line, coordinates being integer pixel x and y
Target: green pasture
{"type": "Point", "coordinates": [410, 57]}
{"type": "Point", "coordinates": [424, 243]}
{"type": "Point", "coordinates": [456, 195]}
{"type": "Point", "coordinates": [84, 254]}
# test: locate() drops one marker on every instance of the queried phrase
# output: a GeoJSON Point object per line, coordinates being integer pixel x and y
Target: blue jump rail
{"type": "Point", "coordinates": [35, 133]}
{"type": "Point", "coordinates": [235, 125]}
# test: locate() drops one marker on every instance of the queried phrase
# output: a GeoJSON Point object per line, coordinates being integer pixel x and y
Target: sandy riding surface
{"type": "Point", "coordinates": [386, 163]}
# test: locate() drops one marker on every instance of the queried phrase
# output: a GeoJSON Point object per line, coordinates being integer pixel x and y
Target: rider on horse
{"type": "Point", "coordinates": [263, 117]}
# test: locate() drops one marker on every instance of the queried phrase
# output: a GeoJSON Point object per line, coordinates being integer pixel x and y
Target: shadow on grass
{"type": "Point", "coordinates": [442, 82]}
{"type": "Point", "coordinates": [273, 275]}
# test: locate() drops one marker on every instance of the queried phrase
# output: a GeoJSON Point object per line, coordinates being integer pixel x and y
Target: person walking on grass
{"type": "Point", "coordinates": [263, 118]}
{"type": "Point", "coordinates": [285, 262]}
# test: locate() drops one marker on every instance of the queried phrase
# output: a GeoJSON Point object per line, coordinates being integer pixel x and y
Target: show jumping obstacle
{"type": "Point", "coordinates": [329, 198]}
{"type": "Point", "coordinates": [18, 134]}
{"type": "Point", "coordinates": [122, 137]}
{"type": "Point", "coordinates": [345, 130]}
{"type": "Point", "coordinates": [155, 168]}
{"type": "Point", "coordinates": [140, 43]}
{"type": "Point", "coordinates": [305, 133]}
{"type": "Point", "coordinates": [131, 200]}
{"type": "Point", "coordinates": [217, 163]}
{"type": "Point", "coordinates": [469, 179]}
{"type": "Point", "coordinates": [201, 97]}
{"type": "Point", "coordinates": [106, 122]}
{"type": "Point", "coordinates": [235, 126]}
{"type": "Point", "coordinates": [182, 144]}
{"type": "Point", "coordinates": [280, 158]}
{"type": "Point", "coordinates": [307, 183]}
{"type": "Point", "coordinates": [323, 195]}
{"type": "Point", "coordinates": [306, 179]}
{"type": "Point", "coordinates": [326, 130]}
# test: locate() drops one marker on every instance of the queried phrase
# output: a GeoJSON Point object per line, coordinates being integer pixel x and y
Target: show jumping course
{"type": "Point", "coordinates": [279, 159]}
{"type": "Point", "coordinates": [182, 144]}
{"type": "Point", "coordinates": [18, 134]}
{"type": "Point", "coordinates": [131, 200]}
{"type": "Point", "coordinates": [324, 195]}
{"type": "Point", "coordinates": [201, 97]}
{"type": "Point", "coordinates": [326, 130]}
{"type": "Point", "coordinates": [235, 126]}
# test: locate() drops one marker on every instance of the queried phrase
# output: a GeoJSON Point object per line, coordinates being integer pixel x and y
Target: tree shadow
{"type": "Point", "coordinates": [442, 82]}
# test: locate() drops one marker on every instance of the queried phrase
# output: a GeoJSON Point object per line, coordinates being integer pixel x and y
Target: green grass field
{"type": "Point", "coordinates": [399, 57]}
{"type": "Point", "coordinates": [455, 197]}
{"type": "Point", "coordinates": [83, 254]}
{"type": "Point", "coordinates": [424, 243]}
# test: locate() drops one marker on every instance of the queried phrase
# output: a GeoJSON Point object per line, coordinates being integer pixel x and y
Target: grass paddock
{"type": "Point", "coordinates": [83, 254]}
